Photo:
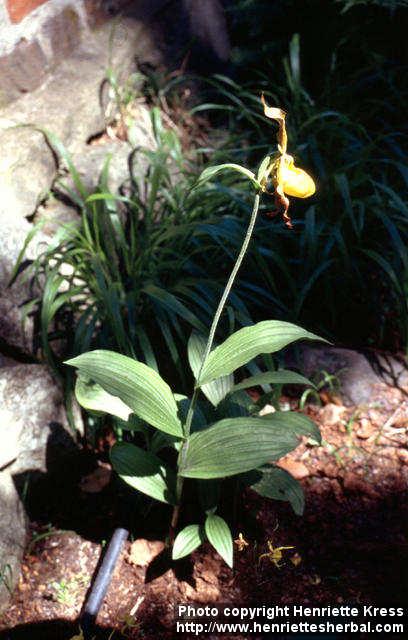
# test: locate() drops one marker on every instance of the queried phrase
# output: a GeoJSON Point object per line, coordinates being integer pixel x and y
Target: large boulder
{"type": "Point", "coordinates": [16, 330]}
{"type": "Point", "coordinates": [362, 379]}
{"type": "Point", "coordinates": [27, 168]}
{"type": "Point", "coordinates": [90, 160]}
{"type": "Point", "coordinates": [68, 105]}
{"type": "Point", "coordinates": [13, 533]}
{"type": "Point", "coordinates": [33, 423]}
{"type": "Point", "coordinates": [35, 438]}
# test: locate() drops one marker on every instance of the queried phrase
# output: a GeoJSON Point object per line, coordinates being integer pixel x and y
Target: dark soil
{"type": "Point", "coordinates": [349, 547]}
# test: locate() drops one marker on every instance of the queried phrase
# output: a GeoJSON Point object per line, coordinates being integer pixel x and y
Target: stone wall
{"type": "Point", "coordinates": [36, 35]}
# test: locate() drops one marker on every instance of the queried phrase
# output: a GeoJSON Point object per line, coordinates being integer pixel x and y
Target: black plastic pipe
{"type": "Point", "coordinates": [102, 580]}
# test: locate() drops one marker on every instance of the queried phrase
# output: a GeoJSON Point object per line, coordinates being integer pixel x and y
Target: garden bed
{"type": "Point", "coordinates": [348, 548]}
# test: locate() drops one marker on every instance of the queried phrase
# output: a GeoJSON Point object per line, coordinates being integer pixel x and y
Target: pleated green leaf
{"type": "Point", "coordinates": [143, 471]}
{"type": "Point", "coordinates": [217, 390]}
{"type": "Point", "coordinates": [211, 172]}
{"type": "Point", "coordinates": [187, 541]}
{"type": "Point", "coordinates": [272, 377]}
{"type": "Point", "coordinates": [277, 484]}
{"type": "Point", "coordinates": [92, 397]}
{"type": "Point", "coordinates": [219, 534]}
{"type": "Point", "coordinates": [137, 385]}
{"type": "Point", "coordinates": [247, 343]}
{"type": "Point", "coordinates": [235, 445]}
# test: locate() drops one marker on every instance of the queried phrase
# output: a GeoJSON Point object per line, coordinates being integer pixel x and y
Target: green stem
{"type": "Point", "coordinates": [213, 329]}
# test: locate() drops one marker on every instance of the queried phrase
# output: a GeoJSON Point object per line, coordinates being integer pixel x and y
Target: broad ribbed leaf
{"type": "Point", "coordinates": [277, 484]}
{"type": "Point", "coordinates": [137, 385]}
{"type": "Point", "coordinates": [211, 172]}
{"type": "Point", "coordinates": [187, 540]}
{"type": "Point", "coordinates": [272, 377]}
{"type": "Point", "coordinates": [217, 390]}
{"type": "Point", "coordinates": [92, 397]}
{"type": "Point", "coordinates": [143, 471]}
{"type": "Point", "coordinates": [235, 445]}
{"type": "Point", "coordinates": [219, 534]}
{"type": "Point", "coordinates": [247, 343]}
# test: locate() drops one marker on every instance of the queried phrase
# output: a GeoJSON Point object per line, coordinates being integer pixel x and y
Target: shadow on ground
{"type": "Point", "coordinates": [53, 630]}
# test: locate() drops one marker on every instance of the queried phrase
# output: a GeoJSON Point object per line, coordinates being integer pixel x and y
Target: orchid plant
{"type": "Point", "coordinates": [217, 432]}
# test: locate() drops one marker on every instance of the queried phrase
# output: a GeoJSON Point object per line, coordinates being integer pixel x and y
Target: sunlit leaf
{"type": "Point", "coordinates": [92, 397]}
{"type": "Point", "coordinates": [211, 172]}
{"type": "Point", "coordinates": [137, 385]}
{"type": "Point", "coordinates": [272, 377]}
{"type": "Point", "coordinates": [187, 541]}
{"type": "Point", "coordinates": [242, 346]}
{"type": "Point", "coordinates": [219, 534]}
{"type": "Point", "coordinates": [217, 390]}
{"type": "Point", "coordinates": [235, 445]}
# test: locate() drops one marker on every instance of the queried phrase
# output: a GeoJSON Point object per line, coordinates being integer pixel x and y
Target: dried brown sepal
{"type": "Point", "coordinates": [282, 203]}
{"type": "Point", "coordinates": [275, 113]}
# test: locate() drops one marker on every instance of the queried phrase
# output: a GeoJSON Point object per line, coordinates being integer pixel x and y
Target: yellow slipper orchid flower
{"type": "Point", "coordinates": [288, 180]}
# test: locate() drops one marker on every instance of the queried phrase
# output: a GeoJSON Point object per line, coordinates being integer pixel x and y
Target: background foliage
{"type": "Point", "coordinates": [339, 71]}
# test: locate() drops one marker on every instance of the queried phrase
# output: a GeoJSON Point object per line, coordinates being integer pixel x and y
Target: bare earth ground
{"type": "Point", "coordinates": [350, 545]}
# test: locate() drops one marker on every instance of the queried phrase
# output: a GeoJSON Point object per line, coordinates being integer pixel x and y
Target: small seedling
{"type": "Point", "coordinates": [67, 591]}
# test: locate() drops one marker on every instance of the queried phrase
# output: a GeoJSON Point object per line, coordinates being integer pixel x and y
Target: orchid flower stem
{"type": "Point", "coordinates": [213, 329]}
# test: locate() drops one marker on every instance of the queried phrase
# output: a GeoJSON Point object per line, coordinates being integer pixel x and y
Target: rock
{"type": "Point", "coordinates": [67, 105]}
{"type": "Point", "coordinates": [22, 69]}
{"type": "Point", "coordinates": [200, 26]}
{"type": "Point", "coordinates": [366, 429]}
{"type": "Point", "coordinates": [16, 333]}
{"type": "Point", "coordinates": [331, 414]}
{"type": "Point", "coordinates": [90, 161]}
{"type": "Point", "coordinates": [296, 469]}
{"type": "Point", "coordinates": [330, 469]}
{"type": "Point", "coordinates": [268, 408]}
{"type": "Point", "coordinates": [376, 418]}
{"type": "Point", "coordinates": [34, 437]}
{"type": "Point", "coordinates": [12, 238]}
{"type": "Point", "coordinates": [12, 330]}
{"type": "Point", "coordinates": [142, 551]}
{"type": "Point", "coordinates": [401, 419]}
{"type": "Point", "coordinates": [403, 455]}
{"type": "Point", "coordinates": [10, 445]}
{"type": "Point", "coordinates": [33, 427]}
{"type": "Point", "coordinates": [53, 214]}
{"type": "Point", "coordinates": [13, 534]}
{"type": "Point", "coordinates": [27, 170]}
{"type": "Point", "coordinates": [208, 27]}
{"type": "Point", "coordinates": [362, 381]}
